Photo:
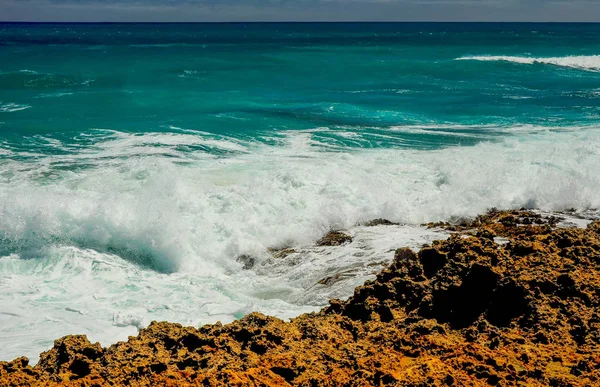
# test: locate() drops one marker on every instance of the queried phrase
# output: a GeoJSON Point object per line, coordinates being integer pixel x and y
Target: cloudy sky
{"type": "Point", "coordinates": [300, 10]}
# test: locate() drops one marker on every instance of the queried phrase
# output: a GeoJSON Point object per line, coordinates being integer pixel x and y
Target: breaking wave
{"type": "Point", "coordinates": [582, 62]}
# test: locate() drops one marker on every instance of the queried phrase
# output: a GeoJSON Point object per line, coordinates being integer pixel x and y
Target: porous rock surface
{"type": "Point", "coordinates": [462, 312]}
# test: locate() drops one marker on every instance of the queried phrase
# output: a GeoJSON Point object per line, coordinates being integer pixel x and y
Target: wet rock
{"type": "Point", "coordinates": [335, 238]}
{"type": "Point", "coordinates": [247, 261]}
{"type": "Point", "coordinates": [281, 253]}
{"type": "Point", "coordinates": [379, 222]}
{"type": "Point", "coordinates": [328, 281]}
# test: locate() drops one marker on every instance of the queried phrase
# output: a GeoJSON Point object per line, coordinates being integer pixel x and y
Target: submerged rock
{"type": "Point", "coordinates": [328, 281]}
{"type": "Point", "coordinates": [462, 312]}
{"type": "Point", "coordinates": [247, 261]}
{"type": "Point", "coordinates": [281, 253]}
{"type": "Point", "coordinates": [334, 238]}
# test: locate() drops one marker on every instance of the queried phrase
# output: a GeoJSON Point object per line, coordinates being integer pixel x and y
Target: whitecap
{"type": "Point", "coordinates": [581, 62]}
{"type": "Point", "coordinates": [187, 73]}
{"type": "Point", "coordinates": [54, 95]}
{"type": "Point", "coordinates": [12, 107]}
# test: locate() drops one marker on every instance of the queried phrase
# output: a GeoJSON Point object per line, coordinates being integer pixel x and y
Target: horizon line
{"type": "Point", "coordinates": [301, 22]}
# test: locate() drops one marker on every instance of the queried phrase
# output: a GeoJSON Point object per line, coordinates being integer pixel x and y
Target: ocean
{"type": "Point", "coordinates": [138, 162]}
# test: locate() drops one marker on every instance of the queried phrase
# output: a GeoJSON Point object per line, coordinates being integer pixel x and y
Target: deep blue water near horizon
{"type": "Point", "coordinates": [138, 161]}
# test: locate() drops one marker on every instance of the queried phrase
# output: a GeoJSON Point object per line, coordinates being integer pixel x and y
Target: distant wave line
{"type": "Point", "coordinates": [582, 62]}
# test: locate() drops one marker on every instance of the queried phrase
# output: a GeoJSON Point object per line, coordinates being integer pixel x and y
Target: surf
{"type": "Point", "coordinates": [581, 62]}
{"type": "Point", "coordinates": [165, 224]}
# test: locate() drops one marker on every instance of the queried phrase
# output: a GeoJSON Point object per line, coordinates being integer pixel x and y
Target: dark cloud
{"type": "Point", "coordinates": [300, 10]}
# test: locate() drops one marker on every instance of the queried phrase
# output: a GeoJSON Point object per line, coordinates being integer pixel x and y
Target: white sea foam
{"type": "Point", "coordinates": [54, 95]}
{"type": "Point", "coordinates": [187, 73]}
{"type": "Point", "coordinates": [102, 239]}
{"type": "Point", "coordinates": [482, 131]}
{"type": "Point", "coordinates": [582, 62]}
{"type": "Point", "coordinates": [12, 107]}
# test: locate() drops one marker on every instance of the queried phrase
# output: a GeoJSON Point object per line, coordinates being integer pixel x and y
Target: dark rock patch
{"type": "Point", "coordinates": [247, 261]}
{"type": "Point", "coordinates": [379, 222]}
{"type": "Point", "coordinates": [334, 238]}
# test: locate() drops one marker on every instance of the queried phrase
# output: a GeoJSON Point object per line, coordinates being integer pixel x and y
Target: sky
{"type": "Point", "coordinates": [298, 10]}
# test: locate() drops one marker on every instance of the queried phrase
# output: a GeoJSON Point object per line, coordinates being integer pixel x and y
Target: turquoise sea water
{"type": "Point", "coordinates": [137, 161]}
{"type": "Point", "coordinates": [252, 81]}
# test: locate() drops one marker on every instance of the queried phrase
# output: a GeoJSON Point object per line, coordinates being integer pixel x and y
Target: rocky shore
{"type": "Point", "coordinates": [509, 299]}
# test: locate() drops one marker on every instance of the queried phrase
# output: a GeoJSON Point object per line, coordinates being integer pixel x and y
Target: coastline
{"type": "Point", "coordinates": [508, 299]}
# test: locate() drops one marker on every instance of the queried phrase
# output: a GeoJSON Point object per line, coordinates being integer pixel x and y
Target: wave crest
{"type": "Point", "coordinates": [12, 107]}
{"type": "Point", "coordinates": [581, 62]}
